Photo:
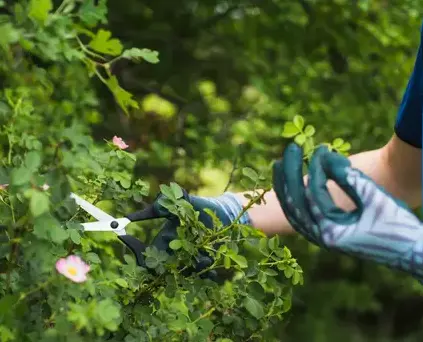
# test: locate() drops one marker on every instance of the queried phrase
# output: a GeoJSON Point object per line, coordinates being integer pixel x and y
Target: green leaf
{"type": "Point", "coordinates": [123, 178]}
{"type": "Point", "coordinates": [255, 289]}
{"type": "Point", "coordinates": [40, 9]}
{"type": "Point", "coordinates": [287, 253]}
{"type": "Point", "coordinates": [39, 203]}
{"type": "Point", "coordinates": [239, 259]}
{"type": "Point", "coordinates": [300, 139]}
{"type": "Point", "coordinates": [104, 44]}
{"type": "Point", "coordinates": [346, 146]}
{"type": "Point", "coordinates": [75, 236]}
{"type": "Point", "coordinates": [138, 54]}
{"type": "Point", "coordinates": [296, 278]}
{"type": "Point", "coordinates": [250, 173]}
{"type": "Point", "coordinates": [120, 154]}
{"type": "Point", "coordinates": [92, 14]}
{"type": "Point", "coordinates": [46, 227]}
{"type": "Point", "coordinates": [270, 272]}
{"type": "Point", "coordinates": [254, 307]}
{"type": "Point", "coordinates": [178, 324]}
{"type": "Point", "coordinates": [309, 131]}
{"type": "Point", "coordinates": [274, 243]}
{"type": "Point", "coordinates": [20, 176]}
{"type": "Point", "coordinates": [59, 235]}
{"type": "Point", "coordinates": [151, 262]}
{"type": "Point", "coordinates": [337, 143]}
{"type": "Point", "coordinates": [175, 244]}
{"type": "Point", "coordinates": [288, 272]}
{"type": "Point", "coordinates": [176, 189]}
{"type": "Point", "coordinates": [6, 334]}
{"type": "Point", "coordinates": [167, 191]}
{"type": "Point", "coordinates": [122, 282]}
{"type": "Point", "coordinates": [130, 156]}
{"type": "Point", "coordinates": [290, 130]}
{"type": "Point", "coordinates": [93, 258]}
{"type": "Point", "coordinates": [126, 183]}
{"type": "Point", "coordinates": [298, 122]}
{"type": "Point", "coordinates": [8, 301]}
{"type": "Point", "coordinates": [263, 246]}
{"type": "Point", "coordinates": [124, 98]}
{"type": "Point", "coordinates": [33, 160]}
{"type": "Point", "coordinates": [8, 35]}
{"type": "Point", "coordinates": [227, 262]}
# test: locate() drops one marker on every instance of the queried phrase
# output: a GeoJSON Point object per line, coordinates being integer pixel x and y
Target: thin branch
{"type": "Point", "coordinates": [234, 168]}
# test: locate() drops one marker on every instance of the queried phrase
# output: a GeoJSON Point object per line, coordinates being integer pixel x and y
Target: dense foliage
{"type": "Point", "coordinates": [47, 151]}
{"type": "Point", "coordinates": [211, 90]}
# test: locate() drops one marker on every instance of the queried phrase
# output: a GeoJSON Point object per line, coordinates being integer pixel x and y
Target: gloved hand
{"type": "Point", "coordinates": [382, 229]}
{"type": "Point", "coordinates": [226, 207]}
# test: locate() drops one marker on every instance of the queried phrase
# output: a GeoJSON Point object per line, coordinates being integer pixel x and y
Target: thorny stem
{"type": "Point", "coordinates": [206, 314]}
{"type": "Point", "coordinates": [50, 320]}
{"type": "Point", "coordinates": [9, 154]}
{"type": "Point", "coordinates": [273, 263]}
{"type": "Point", "coordinates": [248, 206]}
{"type": "Point", "coordinates": [11, 208]}
{"type": "Point", "coordinates": [87, 51]}
{"type": "Point", "coordinates": [212, 267]}
{"type": "Point", "coordinates": [12, 253]}
{"type": "Point", "coordinates": [235, 166]}
{"type": "Point", "coordinates": [100, 76]}
{"type": "Point", "coordinates": [61, 7]}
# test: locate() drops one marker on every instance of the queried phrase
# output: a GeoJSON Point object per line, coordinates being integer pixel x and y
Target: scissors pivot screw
{"type": "Point", "coordinates": [114, 224]}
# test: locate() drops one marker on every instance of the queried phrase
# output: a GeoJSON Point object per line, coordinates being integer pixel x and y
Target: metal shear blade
{"type": "Point", "coordinates": [101, 226]}
{"type": "Point", "coordinates": [92, 209]}
{"type": "Point", "coordinates": [105, 221]}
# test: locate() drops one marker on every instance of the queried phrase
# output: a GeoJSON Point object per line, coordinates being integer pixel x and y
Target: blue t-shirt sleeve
{"type": "Point", "coordinates": [408, 126]}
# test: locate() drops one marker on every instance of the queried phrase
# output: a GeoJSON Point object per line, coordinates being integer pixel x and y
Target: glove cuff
{"type": "Point", "coordinates": [233, 207]}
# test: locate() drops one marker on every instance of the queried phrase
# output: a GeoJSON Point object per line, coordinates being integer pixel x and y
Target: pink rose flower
{"type": "Point", "coordinates": [119, 143]}
{"type": "Point", "coordinates": [74, 268]}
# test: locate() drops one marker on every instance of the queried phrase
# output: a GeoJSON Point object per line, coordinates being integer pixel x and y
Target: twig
{"type": "Point", "coordinates": [204, 315]}
{"type": "Point", "coordinates": [234, 168]}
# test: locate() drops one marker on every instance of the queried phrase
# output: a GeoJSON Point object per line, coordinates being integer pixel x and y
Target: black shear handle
{"type": "Point", "coordinates": [153, 210]}
{"type": "Point", "coordinates": [146, 214]}
{"type": "Point", "coordinates": [136, 246]}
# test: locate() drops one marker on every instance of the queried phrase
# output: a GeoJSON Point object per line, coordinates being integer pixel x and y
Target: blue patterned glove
{"type": "Point", "coordinates": [381, 228]}
{"type": "Point", "coordinates": [226, 207]}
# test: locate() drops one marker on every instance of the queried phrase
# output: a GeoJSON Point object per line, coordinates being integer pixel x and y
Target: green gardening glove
{"type": "Point", "coordinates": [382, 229]}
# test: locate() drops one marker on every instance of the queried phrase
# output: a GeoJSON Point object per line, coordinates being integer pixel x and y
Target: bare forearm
{"type": "Point", "coordinates": [396, 167]}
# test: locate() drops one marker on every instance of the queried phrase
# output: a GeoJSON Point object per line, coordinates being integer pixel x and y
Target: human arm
{"type": "Point", "coordinates": [397, 167]}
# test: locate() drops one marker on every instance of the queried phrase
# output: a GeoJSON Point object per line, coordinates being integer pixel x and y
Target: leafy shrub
{"type": "Point", "coordinates": [46, 151]}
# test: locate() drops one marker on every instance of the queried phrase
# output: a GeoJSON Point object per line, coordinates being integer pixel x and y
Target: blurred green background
{"type": "Point", "coordinates": [231, 73]}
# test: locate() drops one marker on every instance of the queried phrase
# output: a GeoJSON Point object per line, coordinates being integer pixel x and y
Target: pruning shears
{"type": "Point", "coordinates": [108, 223]}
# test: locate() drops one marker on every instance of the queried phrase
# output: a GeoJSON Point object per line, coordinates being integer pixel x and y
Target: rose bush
{"type": "Point", "coordinates": [60, 284]}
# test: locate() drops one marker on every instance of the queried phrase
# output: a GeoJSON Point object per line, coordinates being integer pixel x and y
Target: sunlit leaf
{"type": "Point", "coordinates": [103, 43]}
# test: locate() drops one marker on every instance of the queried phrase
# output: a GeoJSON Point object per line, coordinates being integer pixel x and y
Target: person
{"type": "Point", "coordinates": [358, 205]}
